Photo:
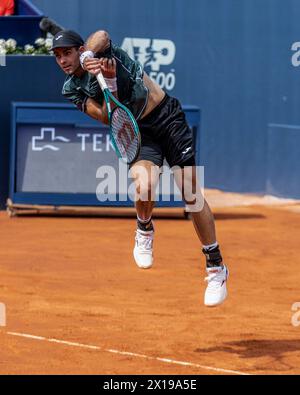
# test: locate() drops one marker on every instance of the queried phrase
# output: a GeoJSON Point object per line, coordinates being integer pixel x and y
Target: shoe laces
{"type": "Point", "coordinates": [215, 277]}
{"type": "Point", "coordinates": [144, 240]}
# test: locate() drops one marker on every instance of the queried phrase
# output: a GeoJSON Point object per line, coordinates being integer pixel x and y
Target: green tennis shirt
{"type": "Point", "coordinates": [131, 89]}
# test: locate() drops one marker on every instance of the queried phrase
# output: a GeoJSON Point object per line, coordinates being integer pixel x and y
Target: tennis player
{"type": "Point", "coordinates": [164, 134]}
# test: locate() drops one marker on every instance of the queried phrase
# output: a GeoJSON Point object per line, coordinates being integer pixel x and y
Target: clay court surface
{"type": "Point", "coordinates": [72, 283]}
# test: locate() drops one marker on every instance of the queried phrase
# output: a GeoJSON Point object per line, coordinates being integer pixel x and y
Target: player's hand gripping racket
{"type": "Point", "coordinates": [124, 130]}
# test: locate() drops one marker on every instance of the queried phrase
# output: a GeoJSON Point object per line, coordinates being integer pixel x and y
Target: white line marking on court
{"type": "Point", "coordinates": [54, 340]}
{"type": "Point", "coordinates": [27, 336]}
{"type": "Point", "coordinates": [284, 126]}
{"type": "Point", "coordinates": [130, 354]}
{"type": "Point", "coordinates": [74, 344]}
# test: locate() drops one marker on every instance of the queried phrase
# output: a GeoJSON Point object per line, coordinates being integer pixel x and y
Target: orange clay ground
{"type": "Point", "coordinates": [74, 280]}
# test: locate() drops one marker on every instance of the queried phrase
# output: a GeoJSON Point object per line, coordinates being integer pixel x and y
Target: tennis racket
{"type": "Point", "coordinates": [124, 130]}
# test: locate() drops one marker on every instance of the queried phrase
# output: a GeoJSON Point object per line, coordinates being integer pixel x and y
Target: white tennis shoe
{"type": "Point", "coordinates": [143, 249]}
{"type": "Point", "coordinates": [216, 291]}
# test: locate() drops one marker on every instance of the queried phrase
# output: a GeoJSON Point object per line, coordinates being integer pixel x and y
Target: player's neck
{"type": "Point", "coordinates": [79, 72]}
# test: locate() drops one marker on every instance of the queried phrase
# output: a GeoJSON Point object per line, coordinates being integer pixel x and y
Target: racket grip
{"type": "Point", "coordinates": [102, 81]}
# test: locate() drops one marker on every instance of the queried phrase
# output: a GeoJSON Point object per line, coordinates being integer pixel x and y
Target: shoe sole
{"type": "Point", "coordinates": [141, 266]}
{"type": "Point", "coordinates": [217, 304]}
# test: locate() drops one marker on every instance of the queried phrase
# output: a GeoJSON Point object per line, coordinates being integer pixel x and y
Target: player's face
{"type": "Point", "coordinates": [68, 59]}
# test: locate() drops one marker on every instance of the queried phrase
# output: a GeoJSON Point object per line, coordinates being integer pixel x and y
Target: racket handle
{"type": "Point", "coordinates": [102, 81]}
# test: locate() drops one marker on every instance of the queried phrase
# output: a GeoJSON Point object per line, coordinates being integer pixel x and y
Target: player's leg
{"type": "Point", "coordinates": [203, 220]}
{"type": "Point", "coordinates": [178, 148]}
{"type": "Point", "coordinates": [146, 176]}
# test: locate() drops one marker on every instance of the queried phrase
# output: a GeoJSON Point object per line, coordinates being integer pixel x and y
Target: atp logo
{"type": "Point", "coordinates": [154, 55]}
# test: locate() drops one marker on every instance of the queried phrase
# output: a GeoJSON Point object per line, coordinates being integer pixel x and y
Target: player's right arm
{"type": "Point", "coordinates": [96, 110]}
{"type": "Point", "coordinates": [108, 69]}
{"type": "Point", "coordinates": [98, 42]}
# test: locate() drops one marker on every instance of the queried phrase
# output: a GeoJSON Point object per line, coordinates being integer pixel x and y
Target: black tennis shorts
{"type": "Point", "coordinates": [165, 134]}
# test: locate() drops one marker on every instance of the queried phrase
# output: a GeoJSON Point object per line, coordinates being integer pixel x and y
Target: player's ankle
{"type": "Point", "coordinates": [213, 255]}
{"type": "Point", "coordinates": [145, 225]}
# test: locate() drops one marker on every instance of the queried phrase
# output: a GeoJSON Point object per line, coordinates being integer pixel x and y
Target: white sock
{"type": "Point", "coordinates": [144, 221]}
{"type": "Point", "coordinates": [210, 246]}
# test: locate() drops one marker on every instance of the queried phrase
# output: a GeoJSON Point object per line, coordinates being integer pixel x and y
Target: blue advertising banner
{"type": "Point", "coordinates": [237, 60]}
{"type": "Point", "coordinates": [60, 156]}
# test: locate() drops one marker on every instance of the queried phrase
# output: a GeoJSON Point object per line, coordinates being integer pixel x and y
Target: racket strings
{"type": "Point", "coordinates": [124, 134]}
